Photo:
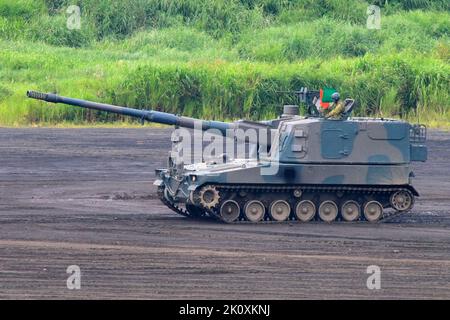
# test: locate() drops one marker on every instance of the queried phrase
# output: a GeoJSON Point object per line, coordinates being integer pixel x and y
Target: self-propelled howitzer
{"type": "Point", "coordinates": [311, 168]}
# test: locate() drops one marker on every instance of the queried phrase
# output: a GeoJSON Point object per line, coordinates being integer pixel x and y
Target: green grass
{"type": "Point", "coordinates": [222, 59]}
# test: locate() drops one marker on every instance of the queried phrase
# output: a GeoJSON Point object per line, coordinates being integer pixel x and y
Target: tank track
{"type": "Point", "coordinates": [171, 205]}
{"type": "Point", "coordinates": [236, 191]}
{"type": "Point", "coordinates": [175, 208]}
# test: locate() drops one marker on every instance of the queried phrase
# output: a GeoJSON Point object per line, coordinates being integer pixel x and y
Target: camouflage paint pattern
{"type": "Point", "coordinates": [315, 151]}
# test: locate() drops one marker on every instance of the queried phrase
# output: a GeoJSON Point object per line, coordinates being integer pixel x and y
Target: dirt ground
{"type": "Point", "coordinates": [85, 197]}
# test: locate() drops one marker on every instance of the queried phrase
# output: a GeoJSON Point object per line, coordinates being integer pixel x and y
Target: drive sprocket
{"type": "Point", "coordinates": [209, 197]}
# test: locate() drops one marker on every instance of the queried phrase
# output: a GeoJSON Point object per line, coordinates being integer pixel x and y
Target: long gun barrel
{"type": "Point", "coordinates": [148, 115]}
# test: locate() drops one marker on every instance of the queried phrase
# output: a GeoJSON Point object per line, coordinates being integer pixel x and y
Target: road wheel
{"type": "Point", "coordinates": [402, 200]}
{"type": "Point", "coordinates": [280, 210]}
{"type": "Point", "coordinates": [373, 211]}
{"type": "Point", "coordinates": [328, 211]}
{"type": "Point", "coordinates": [254, 210]}
{"type": "Point", "coordinates": [305, 210]}
{"type": "Point", "coordinates": [229, 211]}
{"type": "Point", "coordinates": [350, 210]}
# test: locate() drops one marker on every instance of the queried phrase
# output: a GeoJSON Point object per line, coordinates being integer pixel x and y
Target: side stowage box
{"type": "Point", "coordinates": [418, 152]}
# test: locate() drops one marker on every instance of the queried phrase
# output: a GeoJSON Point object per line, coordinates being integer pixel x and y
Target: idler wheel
{"type": "Point", "coordinates": [373, 211]}
{"type": "Point", "coordinates": [229, 211]}
{"type": "Point", "coordinates": [350, 210]}
{"type": "Point", "coordinates": [254, 210]}
{"type": "Point", "coordinates": [402, 200]}
{"type": "Point", "coordinates": [280, 210]}
{"type": "Point", "coordinates": [328, 211]}
{"type": "Point", "coordinates": [305, 210]}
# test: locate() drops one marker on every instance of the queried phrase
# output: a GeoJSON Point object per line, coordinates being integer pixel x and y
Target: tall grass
{"type": "Point", "coordinates": [223, 59]}
{"type": "Point", "coordinates": [327, 38]}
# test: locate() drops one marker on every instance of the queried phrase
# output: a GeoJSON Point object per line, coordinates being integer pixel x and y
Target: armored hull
{"type": "Point", "coordinates": [317, 169]}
